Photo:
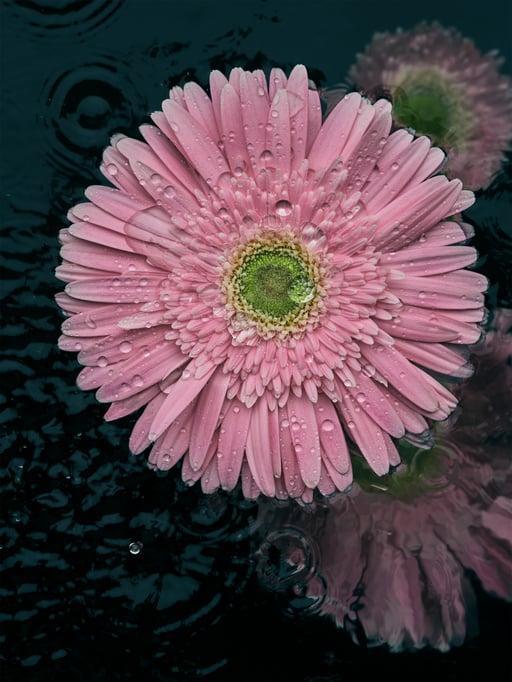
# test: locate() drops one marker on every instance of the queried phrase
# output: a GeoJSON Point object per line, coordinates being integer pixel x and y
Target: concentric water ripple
{"type": "Point", "coordinates": [86, 104]}
{"type": "Point", "coordinates": [49, 18]}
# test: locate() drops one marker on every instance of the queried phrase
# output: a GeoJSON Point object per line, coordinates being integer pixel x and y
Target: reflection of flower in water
{"type": "Point", "coordinates": [442, 86]}
{"type": "Point", "coordinates": [266, 286]}
{"type": "Point", "coordinates": [394, 555]}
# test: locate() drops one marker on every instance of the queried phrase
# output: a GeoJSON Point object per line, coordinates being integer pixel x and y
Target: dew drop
{"type": "Point", "coordinates": [125, 347]}
{"type": "Point", "coordinates": [283, 207]}
{"type": "Point", "coordinates": [327, 426]}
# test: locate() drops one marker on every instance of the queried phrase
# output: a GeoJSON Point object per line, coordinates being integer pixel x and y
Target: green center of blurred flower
{"type": "Point", "coordinates": [274, 282]}
{"type": "Point", "coordinates": [419, 473]}
{"type": "Point", "coordinates": [429, 103]}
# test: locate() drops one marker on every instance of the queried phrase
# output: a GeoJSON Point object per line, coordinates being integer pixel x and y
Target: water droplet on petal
{"type": "Point", "coordinates": [283, 207]}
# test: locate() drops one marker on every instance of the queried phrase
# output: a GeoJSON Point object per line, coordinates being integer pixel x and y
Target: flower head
{"type": "Point", "coordinates": [266, 285]}
{"type": "Point", "coordinates": [443, 87]}
{"type": "Point", "coordinates": [413, 535]}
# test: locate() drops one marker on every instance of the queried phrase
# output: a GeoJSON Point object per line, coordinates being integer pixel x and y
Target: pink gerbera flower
{"type": "Point", "coordinates": [265, 285]}
{"type": "Point", "coordinates": [413, 536]}
{"type": "Point", "coordinates": [442, 86]}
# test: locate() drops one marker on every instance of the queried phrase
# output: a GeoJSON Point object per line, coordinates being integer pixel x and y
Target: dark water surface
{"type": "Point", "coordinates": [109, 570]}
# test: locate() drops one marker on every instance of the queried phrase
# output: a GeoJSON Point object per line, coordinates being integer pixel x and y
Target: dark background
{"type": "Point", "coordinates": [111, 571]}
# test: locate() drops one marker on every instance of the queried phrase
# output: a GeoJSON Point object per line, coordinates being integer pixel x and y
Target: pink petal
{"type": "Point", "coordinates": [367, 435]}
{"type": "Point", "coordinates": [121, 408]}
{"type": "Point", "coordinates": [139, 288]}
{"type": "Point", "coordinates": [298, 87]}
{"type": "Point", "coordinates": [142, 369]}
{"type": "Point", "coordinates": [331, 434]}
{"type": "Point", "coordinates": [255, 110]}
{"type": "Point", "coordinates": [139, 440]}
{"type": "Point", "coordinates": [232, 441]}
{"type": "Point", "coordinates": [202, 152]}
{"type": "Point", "coordinates": [401, 374]}
{"type": "Point", "coordinates": [170, 447]}
{"type": "Point", "coordinates": [378, 407]}
{"type": "Point", "coordinates": [232, 130]}
{"type": "Point", "coordinates": [334, 133]}
{"type": "Point", "coordinates": [206, 417]}
{"type": "Point", "coordinates": [181, 394]}
{"type": "Point", "coordinates": [293, 481]}
{"type": "Point", "coordinates": [200, 107]}
{"type": "Point", "coordinates": [435, 356]}
{"type": "Point", "coordinates": [259, 449]}
{"type": "Point", "coordinates": [306, 442]}
{"type": "Point", "coordinates": [278, 132]}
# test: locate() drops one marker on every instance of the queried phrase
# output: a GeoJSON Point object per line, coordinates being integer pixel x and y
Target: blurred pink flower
{"type": "Point", "coordinates": [264, 285]}
{"type": "Point", "coordinates": [393, 555]}
{"type": "Point", "coordinates": [444, 87]}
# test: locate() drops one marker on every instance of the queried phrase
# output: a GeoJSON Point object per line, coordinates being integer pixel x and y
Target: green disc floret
{"type": "Point", "coordinates": [427, 102]}
{"type": "Point", "coordinates": [275, 282]}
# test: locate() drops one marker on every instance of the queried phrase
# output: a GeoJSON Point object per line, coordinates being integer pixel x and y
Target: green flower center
{"type": "Point", "coordinates": [430, 104]}
{"type": "Point", "coordinates": [418, 476]}
{"type": "Point", "coordinates": [274, 282]}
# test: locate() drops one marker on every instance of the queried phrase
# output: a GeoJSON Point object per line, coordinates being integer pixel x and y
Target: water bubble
{"type": "Point", "coordinates": [135, 547]}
